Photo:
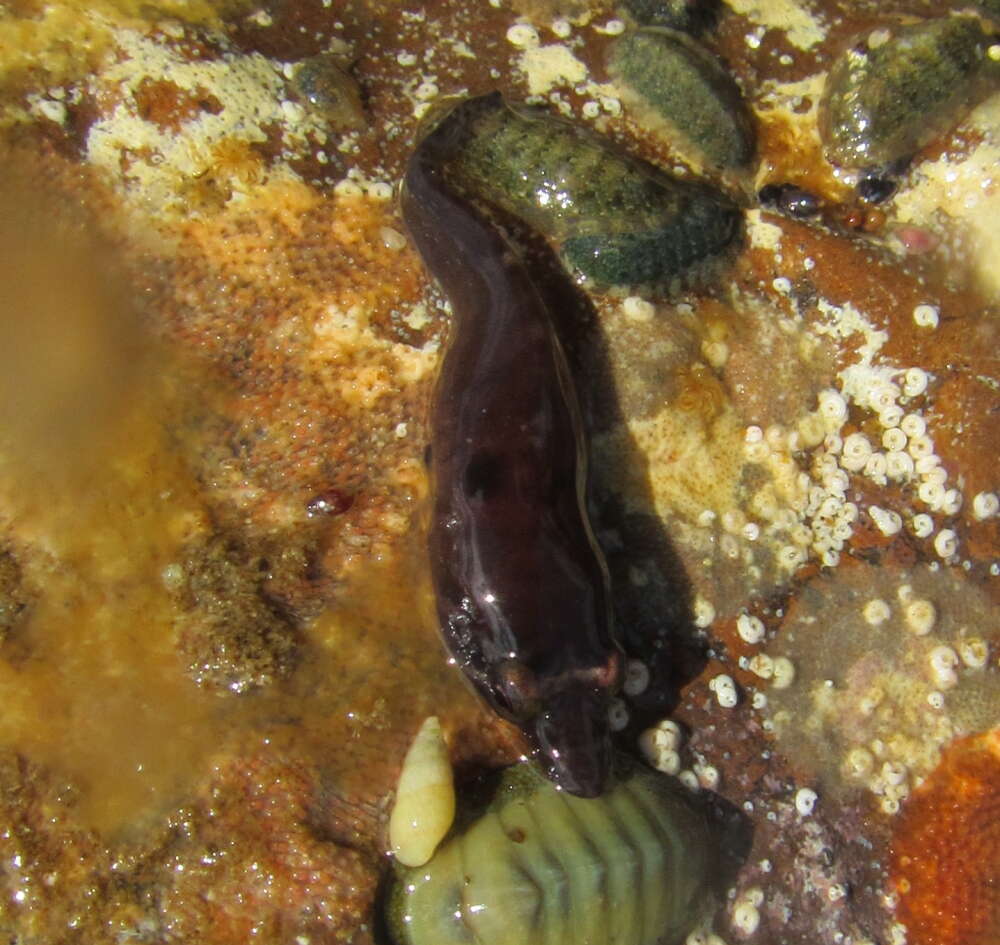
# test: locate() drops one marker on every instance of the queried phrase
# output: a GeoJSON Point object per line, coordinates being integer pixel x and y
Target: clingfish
{"type": "Point", "coordinates": [521, 585]}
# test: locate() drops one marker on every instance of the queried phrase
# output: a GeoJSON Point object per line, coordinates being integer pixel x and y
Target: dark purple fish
{"type": "Point", "coordinates": [522, 587]}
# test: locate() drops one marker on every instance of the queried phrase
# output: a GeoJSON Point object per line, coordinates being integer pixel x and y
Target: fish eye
{"type": "Point", "coordinates": [516, 689]}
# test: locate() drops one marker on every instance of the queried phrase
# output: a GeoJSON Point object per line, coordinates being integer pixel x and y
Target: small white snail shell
{"type": "Point", "coordinates": [425, 797]}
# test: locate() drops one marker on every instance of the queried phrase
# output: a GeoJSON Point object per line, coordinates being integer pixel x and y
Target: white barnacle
{"type": "Point", "coordinates": [886, 521]}
{"type": "Point", "coordinates": [894, 440]}
{"type": "Point", "coordinates": [425, 797]}
{"type": "Point", "coordinates": [931, 493]}
{"type": "Point", "coordinates": [805, 801]}
{"type": "Point", "coordinates": [893, 772]}
{"type": "Point", "coordinates": [750, 628]}
{"type": "Point", "coordinates": [930, 469]}
{"type": "Point", "coordinates": [833, 409]}
{"type": "Point", "coordinates": [783, 673]}
{"type": "Point", "coordinates": [914, 382]}
{"type": "Point", "coordinates": [637, 309]}
{"type": "Point", "coordinates": [913, 424]}
{"type": "Point", "coordinates": [760, 664]}
{"type": "Point", "coordinates": [876, 468]}
{"type": "Point", "coordinates": [725, 690]}
{"type": "Point", "coordinates": [920, 616]}
{"type": "Point", "coordinates": [952, 502]}
{"type": "Point", "coordinates": [858, 763]}
{"type": "Point", "coordinates": [898, 465]}
{"type": "Point", "coordinates": [659, 745]}
{"type": "Point", "coordinates": [790, 557]}
{"type": "Point", "coordinates": [920, 445]}
{"type": "Point", "coordinates": [523, 36]}
{"type": "Point", "coordinates": [704, 612]}
{"type": "Point", "coordinates": [985, 505]}
{"type": "Point", "coordinates": [708, 776]}
{"type": "Point", "coordinates": [974, 651]}
{"type": "Point", "coordinates": [882, 395]}
{"type": "Point", "coordinates": [636, 678]}
{"type": "Point", "coordinates": [922, 525]}
{"type": "Point", "coordinates": [942, 661]}
{"type": "Point", "coordinates": [945, 543]}
{"type": "Point", "coordinates": [876, 612]}
{"type": "Point", "coordinates": [890, 416]}
{"type": "Point", "coordinates": [392, 239]}
{"type": "Point", "coordinates": [856, 452]}
{"type": "Point", "coordinates": [745, 917]}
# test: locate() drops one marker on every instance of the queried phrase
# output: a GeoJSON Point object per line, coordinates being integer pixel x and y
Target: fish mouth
{"type": "Point", "coordinates": [573, 737]}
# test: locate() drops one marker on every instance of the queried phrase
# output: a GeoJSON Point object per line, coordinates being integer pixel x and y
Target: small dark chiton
{"type": "Point", "coordinates": [521, 584]}
{"type": "Point", "coordinates": [876, 189]}
{"type": "Point", "coordinates": [899, 87]}
{"type": "Point", "coordinates": [688, 15]}
{"type": "Point", "coordinates": [675, 81]}
{"type": "Point", "coordinates": [790, 199]}
{"type": "Point", "coordinates": [617, 220]}
{"type": "Point", "coordinates": [541, 867]}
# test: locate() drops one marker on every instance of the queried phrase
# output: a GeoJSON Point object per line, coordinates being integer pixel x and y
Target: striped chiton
{"type": "Point", "coordinates": [616, 220]}
{"type": "Point", "coordinates": [899, 87]}
{"type": "Point", "coordinates": [675, 82]}
{"type": "Point", "coordinates": [540, 866]}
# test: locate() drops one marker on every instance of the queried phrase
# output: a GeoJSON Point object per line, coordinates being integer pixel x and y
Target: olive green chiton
{"type": "Point", "coordinates": [675, 81]}
{"type": "Point", "coordinates": [899, 87]}
{"type": "Point", "coordinates": [617, 220]}
{"type": "Point", "coordinates": [326, 84]}
{"type": "Point", "coordinates": [541, 866]}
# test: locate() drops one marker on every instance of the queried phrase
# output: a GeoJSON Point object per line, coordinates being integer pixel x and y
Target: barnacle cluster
{"type": "Point", "coordinates": [889, 668]}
